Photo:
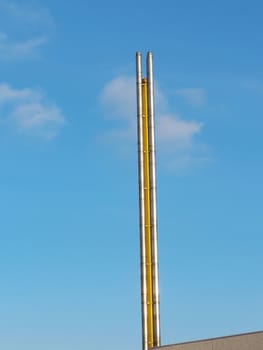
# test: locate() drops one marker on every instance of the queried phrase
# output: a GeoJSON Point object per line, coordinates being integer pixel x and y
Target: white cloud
{"type": "Point", "coordinates": [32, 27]}
{"type": "Point", "coordinates": [119, 97]}
{"type": "Point", "coordinates": [29, 112]}
{"type": "Point", "coordinates": [175, 136]}
{"type": "Point", "coordinates": [25, 13]}
{"type": "Point", "coordinates": [173, 130]}
{"type": "Point", "coordinates": [20, 49]}
{"type": "Point", "coordinates": [179, 163]}
{"type": "Point", "coordinates": [8, 94]}
{"type": "Point", "coordinates": [195, 96]}
{"type": "Point", "coordinates": [28, 47]}
{"type": "Point", "coordinates": [3, 37]}
{"type": "Point", "coordinates": [255, 86]}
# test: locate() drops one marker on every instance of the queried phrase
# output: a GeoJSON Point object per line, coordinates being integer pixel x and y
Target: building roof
{"type": "Point", "coordinates": [246, 341]}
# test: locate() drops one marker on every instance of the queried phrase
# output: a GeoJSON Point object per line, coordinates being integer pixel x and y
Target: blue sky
{"type": "Point", "coordinates": [69, 252]}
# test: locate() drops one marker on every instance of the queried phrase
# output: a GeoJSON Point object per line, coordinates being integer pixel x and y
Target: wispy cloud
{"type": "Point", "coordinates": [255, 86]}
{"type": "Point", "coordinates": [29, 112]}
{"type": "Point", "coordinates": [20, 11]}
{"type": "Point", "coordinates": [195, 96]}
{"type": "Point", "coordinates": [118, 96]}
{"type": "Point", "coordinates": [172, 129]}
{"type": "Point", "coordinates": [35, 23]}
{"type": "Point", "coordinates": [176, 137]}
{"type": "Point", "coordinates": [20, 49]}
{"type": "Point", "coordinates": [10, 95]}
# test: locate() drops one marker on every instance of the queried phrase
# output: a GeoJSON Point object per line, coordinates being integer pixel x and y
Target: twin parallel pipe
{"type": "Point", "coordinates": [150, 295]}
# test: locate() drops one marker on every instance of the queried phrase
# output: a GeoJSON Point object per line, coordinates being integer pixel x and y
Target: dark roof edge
{"type": "Point", "coordinates": [210, 339]}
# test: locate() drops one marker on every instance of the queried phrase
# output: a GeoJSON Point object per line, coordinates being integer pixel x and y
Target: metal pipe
{"type": "Point", "coordinates": [156, 292]}
{"type": "Point", "coordinates": [141, 202]}
{"type": "Point", "coordinates": [147, 209]}
{"type": "Point", "coordinates": [150, 298]}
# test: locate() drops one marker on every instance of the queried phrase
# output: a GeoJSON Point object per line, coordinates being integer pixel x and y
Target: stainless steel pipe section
{"type": "Point", "coordinates": [141, 202]}
{"type": "Point", "coordinates": [156, 292]}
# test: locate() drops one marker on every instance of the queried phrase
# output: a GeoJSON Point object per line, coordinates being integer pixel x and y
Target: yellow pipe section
{"type": "Point", "coordinates": [147, 207]}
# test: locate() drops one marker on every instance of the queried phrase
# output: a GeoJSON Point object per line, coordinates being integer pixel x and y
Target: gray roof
{"type": "Point", "coordinates": [247, 341]}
